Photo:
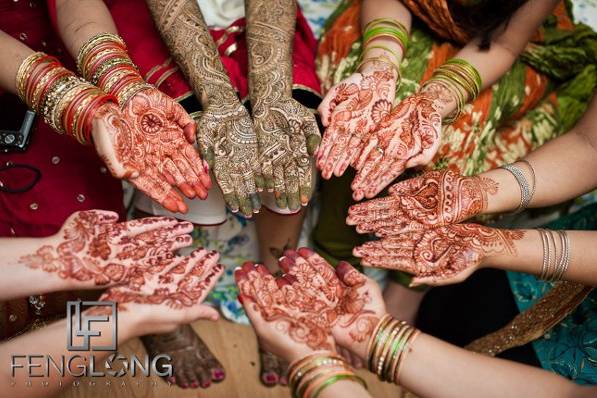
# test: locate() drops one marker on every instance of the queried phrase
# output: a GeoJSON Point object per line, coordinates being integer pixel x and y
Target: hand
{"type": "Point", "coordinates": [170, 292]}
{"type": "Point", "coordinates": [229, 144]}
{"type": "Point", "coordinates": [150, 143]}
{"type": "Point", "coordinates": [442, 255]}
{"type": "Point", "coordinates": [434, 199]}
{"type": "Point", "coordinates": [408, 138]}
{"type": "Point", "coordinates": [288, 135]}
{"type": "Point", "coordinates": [351, 111]}
{"type": "Point", "coordinates": [93, 249]}
{"type": "Point", "coordinates": [273, 306]}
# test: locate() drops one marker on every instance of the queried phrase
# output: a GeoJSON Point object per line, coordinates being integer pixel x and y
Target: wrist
{"type": "Point", "coordinates": [443, 98]}
{"type": "Point", "coordinates": [507, 194]}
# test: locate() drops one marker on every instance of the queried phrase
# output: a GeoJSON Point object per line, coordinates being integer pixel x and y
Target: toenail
{"type": "Point", "coordinates": [271, 378]}
{"type": "Point", "coordinates": [184, 385]}
{"type": "Point", "coordinates": [194, 384]}
{"type": "Point", "coordinates": [218, 374]}
{"type": "Point", "coordinates": [206, 384]}
{"type": "Point", "coordinates": [172, 380]}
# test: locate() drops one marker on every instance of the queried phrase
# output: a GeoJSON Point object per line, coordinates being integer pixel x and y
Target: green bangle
{"type": "Point", "coordinates": [337, 378]}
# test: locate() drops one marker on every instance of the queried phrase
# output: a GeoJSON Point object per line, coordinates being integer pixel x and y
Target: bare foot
{"type": "Point", "coordinates": [403, 303]}
{"type": "Point", "coordinates": [193, 363]}
{"type": "Point", "coordinates": [273, 369]}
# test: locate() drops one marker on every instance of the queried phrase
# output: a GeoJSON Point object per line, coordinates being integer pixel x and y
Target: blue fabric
{"type": "Point", "coordinates": [570, 348]}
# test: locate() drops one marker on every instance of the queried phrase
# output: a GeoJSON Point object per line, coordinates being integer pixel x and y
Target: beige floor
{"type": "Point", "coordinates": [235, 346]}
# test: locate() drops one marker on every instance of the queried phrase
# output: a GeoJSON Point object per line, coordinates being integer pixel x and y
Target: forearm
{"type": "Point", "coordinates": [185, 32]}
{"type": "Point", "coordinates": [390, 9]}
{"type": "Point", "coordinates": [79, 20]}
{"type": "Point", "coordinates": [51, 341]}
{"type": "Point", "coordinates": [506, 45]}
{"type": "Point", "coordinates": [14, 53]}
{"type": "Point", "coordinates": [270, 34]}
{"type": "Point", "coordinates": [437, 369]}
{"type": "Point", "coordinates": [528, 254]}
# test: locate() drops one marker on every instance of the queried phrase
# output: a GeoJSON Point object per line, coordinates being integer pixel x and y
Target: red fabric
{"type": "Point", "coordinates": [75, 172]}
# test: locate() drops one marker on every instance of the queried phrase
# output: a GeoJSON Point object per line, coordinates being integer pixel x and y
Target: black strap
{"type": "Point", "coordinates": [25, 188]}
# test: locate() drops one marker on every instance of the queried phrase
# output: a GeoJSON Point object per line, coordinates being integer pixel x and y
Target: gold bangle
{"type": "Point", "coordinates": [23, 73]}
{"type": "Point", "coordinates": [92, 42]}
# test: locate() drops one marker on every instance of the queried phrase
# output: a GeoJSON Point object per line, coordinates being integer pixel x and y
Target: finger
{"type": "Point", "coordinates": [175, 177]}
{"type": "Point", "coordinates": [305, 181]}
{"type": "Point", "coordinates": [280, 188]}
{"type": "Point", "coordinates": [190, 177]}
{"type": "Point", "coordinates": [147, 224]}
{"type": "Point", "coordinates": [325, 107]}
{"type": "Point", "coordinates": [315, 260]}
{"type": "Point", "coordinates": [349, 274]}
{"type": "Point", "coordinates": [244, 201]}
{"type": "Point", "coordinates": [329, 138]}
{"type": "Point", "coordinates": [311, 132]}
{"type": "Point", "coordinates": [198, 166]}
{"type": "Point", "coordinates": [372, 211]}
{"type": "Point", "coordinates": [228, 191]}
{"type": "Point", "coordinates": [186, 122]}
{"type": "Point", "coordinates": [386, 176]}
{"type": "Point", "coordinates": [369, 144]}
{"type": "Point", "coordinates": [202, 311]}
{"type": "Point", "coordinates": [336, 152]}
{"type": "Point", "coordinates": [361, 180]}
{"type": "Point", "coordinates": [352, 150]}
{"type": "Point", "coordinates": [160, 191]}
{"type": "Point", "coordinates": [399, 263]}
{"type": "Point", "coordinates": [98, 216]}
{"type": "Point", "coordinates": [291, 179]}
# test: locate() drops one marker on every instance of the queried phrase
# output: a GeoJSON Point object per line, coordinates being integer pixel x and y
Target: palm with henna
{"type": "Point", "coordinates": [150, 143]}
{"type": "Point", "coordinates": [432, 200]}
{"type": "Point", "coordinates": [441, 255]}
{"type": "Point", "coordinates": [351, 111]}
{"type": "Point", "coordinates": [409, 137]}
{"type": "Point", "coordinates": [93, 249]}
{"type": "Point", "coordinates": [171, 291]}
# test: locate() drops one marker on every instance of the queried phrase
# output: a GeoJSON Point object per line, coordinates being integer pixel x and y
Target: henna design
{"type": "Point", "coordinates": [146, 145]}
{"type": "Point", "coordinates": [409, 137]}
{"type": "Point", "coordinates": [93, 247]}
{"type": "Point", "coordinates": [176, 282]}
{"type": "Point", "coordinates": [352, 110]}
{"type": "Point", "coordinates": [439, 253]}
{"type": "Point", "coordinates": [225, 135]}
{"type": "Point", "coordinates": [310, 300]}
{"type": "Point", "coordinates": [434, 199]}
{"type": "Point", "coordinates": [287, 131]}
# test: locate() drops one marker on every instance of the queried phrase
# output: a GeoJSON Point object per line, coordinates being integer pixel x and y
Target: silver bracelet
{"type": "Point", "coordinates": [545, 244]}
{"type": "Point", "coordinates": [526, 190]}
{"type": "Point", "coordinates": [560, 262]}
{"type": "Point", "coordinates": [565, 257]}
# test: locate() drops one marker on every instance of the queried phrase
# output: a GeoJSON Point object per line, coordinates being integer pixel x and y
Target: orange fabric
{"type": "Point", "coordinates": [437, 16]}
{"type": "Point", "coordinates": [340, 36]}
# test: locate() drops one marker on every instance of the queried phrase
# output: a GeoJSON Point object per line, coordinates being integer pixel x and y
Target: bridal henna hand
{"type": "Point", "coordinates": [409, 137]}
{"type": "Point", "coordinates": [225, 131]}
{"type": "Point", "coordinates": [170, 292]}
{"type": "Point", "coordinates": [274, 308]}
{"type": "Point", "coordinates": [93, 249]}
{"type": "Point", "coordinates": [434, 199]}
{"type": "Point", "coordinates": [287, 131]}
{"type": "Point", "coordinates": [441, 255]}
{"type": "Point", "coordinates": [351, 111]}
{"type": "Point", "coordinates": [147, 144]}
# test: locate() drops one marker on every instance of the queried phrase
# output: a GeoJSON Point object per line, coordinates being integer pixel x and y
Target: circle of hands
{"type": "Point", "coordinates": [288, 136]}
{"type": "Point", "coordinates": [150, 143]}
{"type": "Point", "coordinates": [379, 141]}
{"type": "Point", "coordinates": [229, 144]}
{"type": "Point", "coordinates": [136, 261]}
{"type": "Point", "coordinates": [311, 307]}
{"type": "Point", "coordinates": [418, 224]}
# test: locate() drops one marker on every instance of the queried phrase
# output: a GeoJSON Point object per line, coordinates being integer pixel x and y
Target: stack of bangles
{"type": "Point", "coordinates": [104, 61]}
{"type": "Point", "coordinates": [66, 102]}
{"type": "Point", "coordinates": [555, 263]}
{"type": "Point", "coordinates": [384, 28]}
{"type": "Point", "coordinates": [388, 347]}
{"type": "Point", "coordinates": [309, 376]}
{"type": "Point", "coordinates": [461, 79]}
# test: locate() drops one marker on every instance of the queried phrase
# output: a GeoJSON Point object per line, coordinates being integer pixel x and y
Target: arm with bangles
{"type": "Point", "coordinates": [408, 219]}
{"type": "Point", "coordinates": [170, 294]}
{"type": "Point", "coordinates": [286, 130]}
{"type": "Point", "coordinates": [226, 137]}
{"type": "Point", "coordinates": [411, 135]}
{"type": "Point", "coordinates": [154, 148]}
{"type": "Point", "coordinates": [394, 350]}
{"type": "Point", "coordinates": [355, 107]}
{"type": "Point", "coordinates": [91, 250]}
